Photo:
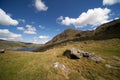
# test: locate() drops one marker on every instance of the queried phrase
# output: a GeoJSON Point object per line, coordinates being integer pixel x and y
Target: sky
{"type": "Point", "coordinates": [38, 21]}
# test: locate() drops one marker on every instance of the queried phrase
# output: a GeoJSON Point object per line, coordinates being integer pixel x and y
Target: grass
{"type": "Point", "coordinates": [39, 65]}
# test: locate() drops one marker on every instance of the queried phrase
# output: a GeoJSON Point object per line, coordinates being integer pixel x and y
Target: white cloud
{"type": "Point", "coordinates": [5, 19]}
{"type": "Point", "coordinates": [7, 35]}
{"type": "Point", "coordinates": [20, 28]}
{"type": "Point", "coordinates": [41, 27]}
{"type": "Point", "coordinates": [22, 20]}
{"type": "Point", "coordinates": [30, 29]}
{"type": "Point", "coordinates": [116, 18]}
{"type": "Point", "coordinates": [59, 19]}
{"type": "Point", "coordinates": [92, 17]}
{"type": "Point", "coordinates": [41, 39]}
{"type": "Point", "coordinates": [110, 2]}
{"type": "Point", "coordinates": [40, 6]}
{"type": "Point", "coordinates": [9, 14]}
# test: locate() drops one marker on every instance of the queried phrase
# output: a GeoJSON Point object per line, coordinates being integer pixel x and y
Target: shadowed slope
{"type": "Point", "coordinates": [106, 31]}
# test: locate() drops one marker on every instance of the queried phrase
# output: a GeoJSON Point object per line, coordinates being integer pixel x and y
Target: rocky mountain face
{"type": "Point", "coordinates": [105, 31]}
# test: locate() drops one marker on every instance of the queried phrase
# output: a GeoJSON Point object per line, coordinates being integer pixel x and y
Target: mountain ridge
{"type": "Point", "coordinates": [11, 45]}
{"type": "Point", "coordinates": [105, 31]}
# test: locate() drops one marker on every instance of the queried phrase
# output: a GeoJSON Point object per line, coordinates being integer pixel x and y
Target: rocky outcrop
{"type": "Point", "coordinates": [77, 54]}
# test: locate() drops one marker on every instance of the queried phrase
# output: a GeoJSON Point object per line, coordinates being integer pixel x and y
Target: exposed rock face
{"type": "Point", "coordinates": [77, 54]}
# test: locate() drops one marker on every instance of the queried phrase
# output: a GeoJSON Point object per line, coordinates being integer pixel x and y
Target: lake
{"type": "Point", "coordinates": [26, 49]}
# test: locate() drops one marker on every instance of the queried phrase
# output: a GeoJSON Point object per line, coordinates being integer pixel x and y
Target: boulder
{"type": "Point", "coordinates": [77, 54]}
{"type": "Point", "coordinates": [73, 53]}
{"type": "Point", "coordinates": [2, 50]}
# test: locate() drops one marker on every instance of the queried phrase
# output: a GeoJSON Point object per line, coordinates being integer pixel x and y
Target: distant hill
{"type": "Point", "coordinates": [105, 31]}
{"type": "Point", "coordinates": [11, 45]}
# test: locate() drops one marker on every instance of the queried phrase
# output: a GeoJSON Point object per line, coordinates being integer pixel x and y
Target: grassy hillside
{"type": "Point", "coordinates": [67, 34]}
{"type": "Point", "coordinates": [39, 65]}
{"type": "Point", "coordinates": [10, 45]}
{"type": "Point", "coordinates": [108, 30]}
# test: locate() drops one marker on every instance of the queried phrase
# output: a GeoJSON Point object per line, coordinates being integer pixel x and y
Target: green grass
{"type": "Point", "coordinates": [39, 65]}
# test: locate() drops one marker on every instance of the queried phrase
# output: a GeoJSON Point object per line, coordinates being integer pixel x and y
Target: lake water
{"type": "Point", "coordinates": [26, 49]}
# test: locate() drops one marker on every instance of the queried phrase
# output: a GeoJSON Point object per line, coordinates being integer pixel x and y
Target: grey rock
{"type": "Point", "coordinates": [96, 58]}
{"type": "Point", "coordinates": [2, 50]}
{"type": "Point", "coordinates": [108, 66]}
{"type": "Point", "coordinates": [60, 66]}
{"type": "Point", "coordinates": [73, 53]}
{"type": "Point", "coordinates": [77, 54]}
{"type": "Point", "coordinates": [116, 58]}
{"type": "Point", "coordinates": [87, 54]}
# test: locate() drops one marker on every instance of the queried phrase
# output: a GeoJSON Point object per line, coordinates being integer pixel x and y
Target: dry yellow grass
{"type": "Point", "coordinates": [39, 65]}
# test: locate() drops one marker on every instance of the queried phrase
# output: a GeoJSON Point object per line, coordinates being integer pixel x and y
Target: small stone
{"type": "Point", "coordinates": [60, 66]}
{"type": "Point", "coordinates": [108, 66]}
{"type": "Point", "coordinates": [2, 50]}
{"type": "Point", "coordinates": [116, 58]}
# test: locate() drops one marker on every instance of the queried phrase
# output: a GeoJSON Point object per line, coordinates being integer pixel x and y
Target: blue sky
{"type": "Point", "coordinates": [38, 21]}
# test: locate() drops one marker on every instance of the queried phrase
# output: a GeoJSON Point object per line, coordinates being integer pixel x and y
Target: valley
{"type": "Point", "coordinates": [47, 62]}
{"type": "Point", "coordinates": [39, 65]}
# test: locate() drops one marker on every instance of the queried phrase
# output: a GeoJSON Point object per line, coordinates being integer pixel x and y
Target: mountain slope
{"type": "Point", "coordinates": [68, 34]}
{"type": "Point", "coordinates": [106, 31]}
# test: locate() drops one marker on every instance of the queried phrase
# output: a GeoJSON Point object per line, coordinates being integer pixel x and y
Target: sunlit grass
{"type": "Point", "coordinates": [39, 65]}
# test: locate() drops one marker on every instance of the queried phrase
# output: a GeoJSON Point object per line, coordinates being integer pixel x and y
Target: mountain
{"type": "Point", "coordinates": [11, 45]}
{"type": "Point", "coordinates": [68, 34]}
{"type": "Point", "coordinates": [105, 31]}
{"type": "Point", "coordinates": [108, 30]}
